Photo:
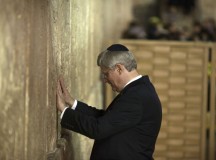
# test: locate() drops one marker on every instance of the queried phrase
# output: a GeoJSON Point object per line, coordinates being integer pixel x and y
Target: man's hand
{"type": "Point", "coordinates": [60, 102]}
{"type": "Point", "coordinates": [66, 95]}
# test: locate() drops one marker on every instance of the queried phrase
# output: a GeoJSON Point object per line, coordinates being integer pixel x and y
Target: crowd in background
{"type": "Point", "coordinates": [156, 29]}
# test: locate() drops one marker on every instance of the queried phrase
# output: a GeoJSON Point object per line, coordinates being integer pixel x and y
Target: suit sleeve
{"type": "Point", "coordinates": [88, 110]}
{"type": "Point", "coordinates": [125, 113]}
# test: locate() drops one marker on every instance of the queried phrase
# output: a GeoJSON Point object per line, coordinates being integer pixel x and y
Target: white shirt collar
{"type": "Point", "coordinates": [134, 79]}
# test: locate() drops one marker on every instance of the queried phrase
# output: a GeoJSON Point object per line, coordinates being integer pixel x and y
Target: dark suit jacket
{"type": "Point", "coordinates": [127, 130]}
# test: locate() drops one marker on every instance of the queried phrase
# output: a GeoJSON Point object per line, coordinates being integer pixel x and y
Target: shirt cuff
{"type": "Point", "coordinates": [63, 112]}
{"type": "Point", "coordinates": [73, 107]}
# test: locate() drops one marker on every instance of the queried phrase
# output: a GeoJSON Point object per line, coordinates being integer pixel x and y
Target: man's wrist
{"type": "Point", "coordinates": [71, 102]}
{"type": "Point", "coordinates": [63, 108]}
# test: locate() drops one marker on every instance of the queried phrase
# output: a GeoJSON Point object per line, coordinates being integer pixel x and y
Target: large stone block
{"type": "Point", "coordinates": [39, 40]}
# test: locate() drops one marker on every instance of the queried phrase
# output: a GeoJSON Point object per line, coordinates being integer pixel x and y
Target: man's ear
{"type": "Point", "coordinates": [120, 68]}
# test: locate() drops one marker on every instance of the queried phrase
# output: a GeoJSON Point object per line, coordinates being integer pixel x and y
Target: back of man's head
{"type": "Point", "coordinates": [117, 54]}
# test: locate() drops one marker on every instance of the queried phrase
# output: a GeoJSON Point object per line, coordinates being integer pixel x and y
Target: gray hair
{"type": "Point", "coordinates": [109, 59]}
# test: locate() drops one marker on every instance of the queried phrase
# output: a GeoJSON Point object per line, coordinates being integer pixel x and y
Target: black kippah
{"type": "Point", "coordinates": [117, 47]}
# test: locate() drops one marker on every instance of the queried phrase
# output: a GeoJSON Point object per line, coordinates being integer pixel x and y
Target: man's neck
{"type": "Point", "coordinates": [134, 79]}
{"type": "Point", "coordinates": [129, 77]}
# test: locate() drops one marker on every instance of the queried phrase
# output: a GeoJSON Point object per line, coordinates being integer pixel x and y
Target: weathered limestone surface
{"type": "Point", "coordinates": [39, 40]}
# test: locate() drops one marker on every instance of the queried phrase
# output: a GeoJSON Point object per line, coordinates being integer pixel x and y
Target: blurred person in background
{"type": "Point", "coordinates": [209, 27]}
{"type": "Point", "coordinates": [134, 31]}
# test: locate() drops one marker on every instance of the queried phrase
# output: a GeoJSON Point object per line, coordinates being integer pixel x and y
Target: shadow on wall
{"type": "Point", "coordinates": [64, 147]}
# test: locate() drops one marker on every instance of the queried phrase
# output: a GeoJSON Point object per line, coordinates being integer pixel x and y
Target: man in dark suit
{"type": "Point", "coordinates": [128, 128]}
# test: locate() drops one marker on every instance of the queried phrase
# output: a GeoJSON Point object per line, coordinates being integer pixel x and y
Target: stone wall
{"type": "Point", "coordinates": [39, 40]}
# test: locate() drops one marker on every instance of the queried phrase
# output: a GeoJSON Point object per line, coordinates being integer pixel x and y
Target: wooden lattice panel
{"type": "Point", "coordinates": [212, 104]}
{"type": "Point", "coordinates": [179, 73]}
